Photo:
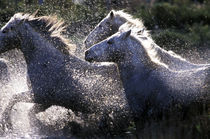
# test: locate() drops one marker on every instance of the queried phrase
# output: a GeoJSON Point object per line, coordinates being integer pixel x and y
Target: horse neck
{"type": "Point", "coordinates": [136, 62]}
{"type": "Point", "coordinates": [36, 47]}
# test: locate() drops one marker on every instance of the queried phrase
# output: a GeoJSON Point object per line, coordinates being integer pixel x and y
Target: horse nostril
{"type": "Point", "coordinates": [86, 53]}
{"type": "Point", "coordinates": [88, 57]}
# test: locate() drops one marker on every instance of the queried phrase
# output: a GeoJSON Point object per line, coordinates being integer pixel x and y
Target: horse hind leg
{"type": "Point", "coordinates": [5, 122]}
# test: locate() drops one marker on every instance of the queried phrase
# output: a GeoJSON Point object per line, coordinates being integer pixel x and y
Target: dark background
{"type": "Point", "coordinates": [179, 25]}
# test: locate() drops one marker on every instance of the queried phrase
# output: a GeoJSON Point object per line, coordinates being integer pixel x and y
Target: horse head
{"type": "Point", "coordinates": [110, 25]}
{"type": "Point", "coordinates": [109, 50]}
{"type": "Point", "coordinates": [107, 27]}
{"type": "Point", "coordinates": [9, 34]}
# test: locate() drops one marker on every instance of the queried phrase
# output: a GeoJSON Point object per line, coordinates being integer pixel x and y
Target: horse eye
{"type": "Point", "coordinates": [4, 30]}
{"type": "Point", "coordinates": [110, 42]}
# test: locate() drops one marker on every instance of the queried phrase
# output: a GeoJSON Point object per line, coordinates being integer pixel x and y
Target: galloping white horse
{"type": "Point", "coordinates": [115, 19]}
{"type": "Point", "coordinates": [62, 79]}
{"type": "Point", "coordinates": [152, 89]}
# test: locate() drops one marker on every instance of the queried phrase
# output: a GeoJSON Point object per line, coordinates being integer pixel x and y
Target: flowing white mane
{"type": "Point", "coordinates": [134, 24]}
{"type": "Point", "coordinates": [50, 27]}
{"type": "Point", "coordinates": [132, 21]}
{"type": "Point", "coordinates": [155, 52]}
{"type": "Point", "coordinates": [146, 41]}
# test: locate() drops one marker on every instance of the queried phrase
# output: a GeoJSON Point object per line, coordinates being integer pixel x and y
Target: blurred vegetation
{"type": "Point", "coordinates": [178, 25]}
{"type": "Point", "coordinates": [174, 24]}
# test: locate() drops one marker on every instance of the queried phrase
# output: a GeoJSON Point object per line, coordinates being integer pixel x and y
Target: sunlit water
{"type": "Point", "coordinates": [14, 83]}
{"type": "Point", "coordinates": [55, 116]}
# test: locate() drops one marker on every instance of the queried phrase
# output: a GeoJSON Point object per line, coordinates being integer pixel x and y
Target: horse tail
{"type": "Point", "coordinates": [6, 123]}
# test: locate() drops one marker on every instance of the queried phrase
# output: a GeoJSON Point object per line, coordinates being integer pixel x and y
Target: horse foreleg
{"type": "Point", "coordinates": [34, 121]}
{"type": "Point", "coordinates": [6, 123]}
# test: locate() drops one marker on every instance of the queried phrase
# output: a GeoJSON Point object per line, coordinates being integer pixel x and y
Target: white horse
{"type": "Point", "coordinates": [152, 89]}
{"type": "Point", "coordinates": [62, 79]}
{"type": "Point", "coordinates": [115, 19]}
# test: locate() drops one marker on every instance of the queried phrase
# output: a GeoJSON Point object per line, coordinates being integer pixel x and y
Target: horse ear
{"type": "Point", "coordinates": [111, 14]}
{"type": "Point", "coordinates": [126, 34]}
{"type": "Point", "coordinates": [35, 13]}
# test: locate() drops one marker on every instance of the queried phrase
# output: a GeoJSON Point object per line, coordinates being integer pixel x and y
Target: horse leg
{"type": "Point", "coordinates": [6, 123]}
{"type": "Point", "coordinates": [42, 123]}
{"type": "Point", "coordinates": [34, 121]}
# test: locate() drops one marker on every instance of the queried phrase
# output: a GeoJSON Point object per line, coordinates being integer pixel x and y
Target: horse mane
{"type": "Point", "coordinates": [140, 32]}
{"type": "Point", "coordinates": [132, 23]}
{"type": "Point", "coordinates": [146, 41]}
{"type": "Point", "coordinates": [51, 28]}
{"type": "Point", "coordinates": [129, 18]}
{"type": "Point", "coordinates": [155, 52]}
